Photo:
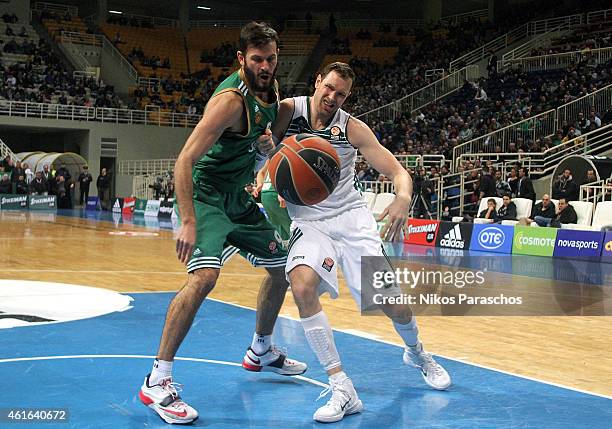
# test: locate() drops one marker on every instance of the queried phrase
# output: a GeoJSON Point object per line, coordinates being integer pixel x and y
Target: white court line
{"type": "Point", "coordinates": [190, 359]}
{"type": "Point", "coordinates": [175, 273]}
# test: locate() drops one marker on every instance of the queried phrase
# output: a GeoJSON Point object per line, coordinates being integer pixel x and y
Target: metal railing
{"type": "Point", "coordinates": [145, 167]}
{"type": "Point", "coordinates": [217, 23]}
{"type": "Point", "coordinates": [142, 186]}
{"type": "Point", "coordinates": [54, 7]}
{"type": "Point", "coordinates": [546, 25]}
{"type": "Point", "coordinates": [534, 127]}
{"type": "Point", "coordinates": [84, 74]}
{"type": "Point", "coordinates": [421, 97]}
{"type": "Point", "coordinates": [556, 61]}
{"type": "Point", "coordinates": [453, 19]}
{"type": "Point", "coordinates": [538, 41]}
{"type": "Point", "coordinates": [543, 163]}
{"type": "Point", "coordinates": [601, 100]}
{"type": "Point", "coordinates": [81, 38]}
{"type": "Point", "coordinates": [83, 113]}
{"type": "Point", "coordinates": [5, 150]}
{"type": "Point", "coordinates": [375, 23]}
{"type": "Point", "coordinates": [154, 20]}
{"type": "Point", "coordinates": [599, 16]}
{"type": "Point", "coordinates": [125, 64]}
{"type": "Point", "coordinates": [378, 187]}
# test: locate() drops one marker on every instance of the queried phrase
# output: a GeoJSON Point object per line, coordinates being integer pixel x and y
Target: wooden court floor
{"type": "Point", "coordinates": [571, 351]}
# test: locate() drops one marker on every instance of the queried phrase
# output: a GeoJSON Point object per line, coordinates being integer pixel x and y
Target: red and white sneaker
{"type": "Point", "coordinates": [272, 361]}
{"type": "Point", "coordinates": [164, 399]}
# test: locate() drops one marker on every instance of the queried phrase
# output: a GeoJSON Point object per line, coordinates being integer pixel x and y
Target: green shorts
{"type": "Point", "coordinates": [277, 215]}
{"type": "Point", "coordinates": [231, 222]}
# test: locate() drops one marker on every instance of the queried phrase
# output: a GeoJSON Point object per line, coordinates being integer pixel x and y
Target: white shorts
{"type": "Point", "coordinates": [340, 240]}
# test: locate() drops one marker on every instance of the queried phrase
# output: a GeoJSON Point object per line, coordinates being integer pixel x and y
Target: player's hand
{"type": "Point", "coordinates": [265, 143]}
{"type": "Point", "coordinates": [256, 190]}
{"type": "Point", "coordinates": [397, 212]}
{"type": "Point", "coordinates": [185, 241]}
{"type": "Point", "coordinates": [281, 202]}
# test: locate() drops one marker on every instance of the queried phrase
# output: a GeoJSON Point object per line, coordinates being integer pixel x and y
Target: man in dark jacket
{"type": "Point", "coordinates": [6, 186]}
{"type": "Point", "coordinates": [21, 187]}
{"type": "Point", "coordinates": [18, 171]}
{"type": "Point", "coordinates": [486, 184]}
{"type": "Point", "coordinates": [103, 184]}
{"type": "Point", "coordinates": [543, 211]}
{"type": "Point", "coordinates": [524, 189]}
{"type": "Point", "coordinates": [501, 186]}
{"type": "Point", "coordinates": [39, 185]}
{"type": "Point", "coordinates": [565, 214]}
{"type": "Point", "coordinates": [49, 178]}
{"type": "Point", "coordinates": [565, 187]}
{"type": "Point", "coordinates": [85, 180]}
{"type": "Point", "coordinates": [507, 211]}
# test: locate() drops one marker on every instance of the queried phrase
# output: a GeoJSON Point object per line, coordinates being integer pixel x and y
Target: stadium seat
{"type": "Point", "coordinates": [602, 216]}
{"type": "Point", "coordinates": [381, 203]}
{"type": "Point", "coordinates": [523, 207]}
{"type": "Point", "coordinates": [457, 218]}
{"type": "Point", "coordinates": [509, 222]}
{"type": "Point", "coordinates": [584, 210]}
{"type": "Point", "coordinates": [482, 220]}
{"type": "Point", "coordinates": [370, 198]}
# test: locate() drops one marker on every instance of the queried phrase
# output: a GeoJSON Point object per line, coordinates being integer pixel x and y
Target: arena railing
{"type": "Point", "coordinates": [375, 23]}
{"type": "Point", "coordinates": [538, 41]}
{"type": "Point", "coordinates": [544, 163]}
{"type": "Point", "coordinates": [556, 61]}
{"type": "Point", "coordinates": [534, 127]}
{"type": "Point", "coordinates": [5, 150]}
{"type": "Point", "coordinates": [57, 8]}
{"type": "Point", "coordinates": [460, 17]}
{"type": "Point", "coordinates": [212, 23]}
{"type": "Point", "coordinates": [108, 46]}
{"type": "Point", "coordinates": [421, 97]}
{"type": "Point", "coordinates": [145, 167]}
{"type": "Point", "coordinates": [99, 114]}
{"type": "Point", "coordinates": [81, 38]}
{"type": "Point", "coordinates": [599, 16]}
{"type": "Point", "coordinates": [601, 100]}
{"type": "Point", "coordinates": [596, 192]}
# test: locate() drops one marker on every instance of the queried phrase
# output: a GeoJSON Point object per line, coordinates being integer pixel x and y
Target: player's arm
{"type": "Point", "coordinates": [362, 137]}
{"type": "Point", "coordinates": [259, 179]}
{"type": "Point", "coordinates": [222, 112]}
{"type": "Point", "coordinates": [283, 119]}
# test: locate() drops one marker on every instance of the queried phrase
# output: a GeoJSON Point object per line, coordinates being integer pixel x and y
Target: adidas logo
{"type": "Point", "coordinates": [453, 238]}
{"type": "Point", "coordinates": [197, 252]}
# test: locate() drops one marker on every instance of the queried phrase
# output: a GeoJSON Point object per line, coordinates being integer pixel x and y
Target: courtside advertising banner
{"type": "Point", "coordinates": [585, 245]}
{"type": "Point", "coordinates": [128, 205]}
{"type": "Point", "coordinates": [454, 235]}
{"type": "Point", "coordinates": [13, 202]}
{"type": "Point", "coordinates": [165, 209]}
{"type": "Point", "coordinates": [118, 205]}
{"type": "Point", "coordinates": [492, 238]}
{"type": "Point", "coordinates": [43, 202]}
{"type": "Point", "coordinates": [152, 208]}
{"type": "Point", "coordinates": [93, 204]}
{"type": "Point", "coordinates": [534, 241]}
{"type": "Point", "coordinates": [421, 231]}
{"type": "Point", "coordinates": [140, 207]}
{"type": "Point", "coordinates": [606, 254]}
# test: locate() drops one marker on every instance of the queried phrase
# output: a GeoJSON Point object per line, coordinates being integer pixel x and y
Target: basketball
{"type": "Point", "coordinates": [305, 170]}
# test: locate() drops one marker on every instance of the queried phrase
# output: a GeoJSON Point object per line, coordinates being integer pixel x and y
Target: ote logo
{"type": "Point", "coordinates": [491, 238]}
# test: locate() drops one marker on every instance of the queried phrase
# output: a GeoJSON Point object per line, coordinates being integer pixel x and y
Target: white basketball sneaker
{"type": "Point", "coordinates": [164, 399]}
{"type": "Point", "coordinates": [344, 401]}
{"type": "Point", "coordinates": [432, 371]}
{"type": "Point", "coordinates": [272, 361]}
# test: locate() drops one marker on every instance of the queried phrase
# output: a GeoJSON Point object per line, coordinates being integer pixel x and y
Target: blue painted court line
{"type": "Point", "coordinates": [101, 392]}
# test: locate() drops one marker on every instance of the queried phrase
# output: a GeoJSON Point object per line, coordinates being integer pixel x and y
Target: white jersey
{"type": "Point", "coordinates": [347, 195]}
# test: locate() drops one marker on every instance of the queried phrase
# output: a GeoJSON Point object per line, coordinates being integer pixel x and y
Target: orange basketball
{"type": "Point", "coordinates": [305, 170]}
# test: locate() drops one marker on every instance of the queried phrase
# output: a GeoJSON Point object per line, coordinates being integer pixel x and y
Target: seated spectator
{"type": "Point", "coordinates": [565, 214]}
{"type": "Point", "coordinates": [565, 187]}
{"type": "Point", "coordinates": [39, 185]}
{"type": "Point", "coordinates": [507, 211]}
{"type": "Point", "coordinates": [6, 186]}
{"type": "Point", "coordinates": [21, 187]}
{"type": "Point", "coordinates": [543, 212]}
{"type": "Point", "coordinates": [489, 212]}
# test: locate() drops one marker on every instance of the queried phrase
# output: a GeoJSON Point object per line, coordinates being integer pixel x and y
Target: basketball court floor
{"type": "Point", "coordinates": [82, 303]}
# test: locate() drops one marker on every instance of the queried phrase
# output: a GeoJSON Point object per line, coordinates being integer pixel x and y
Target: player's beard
{"type": "Point", "coordinates": [252, 80]}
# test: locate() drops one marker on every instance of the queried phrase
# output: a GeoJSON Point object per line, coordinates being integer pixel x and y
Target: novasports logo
{"type": "Point", "coordinates": [578, 244]}
{"type": "Point", "coordinates": [453, 238]}
{"type": "Point", "coordinates": [491, 238]}
{"type": "Point", "coordinates": [6, 200]}
{"type": "Point", "coordinates": [164, 209]}
{"type": "Point", "coordinates": [422, 228]}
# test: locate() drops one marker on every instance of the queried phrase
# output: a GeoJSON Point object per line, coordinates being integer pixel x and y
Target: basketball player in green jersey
{"type": "Point", "coordinates": [219, 219]}
{"type": "Point", "coordinates": [274, 205]}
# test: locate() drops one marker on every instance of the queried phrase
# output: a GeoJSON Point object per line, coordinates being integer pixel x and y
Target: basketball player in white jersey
{"type": "Point", "coordinates": [340, 230]}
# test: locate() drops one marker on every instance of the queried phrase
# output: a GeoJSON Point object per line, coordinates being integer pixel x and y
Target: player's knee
{"type": "Point", "coordinates": [304, 281]}
{"type": "Point", "coordinates": [203, 280]}
{"type": "Point", "coordinates": [401, 314]}
{"type": "Point", "coordinates": [277, 274]}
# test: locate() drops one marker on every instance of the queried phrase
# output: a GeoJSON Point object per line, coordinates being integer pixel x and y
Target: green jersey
{"type": "Point", "coordinates": [230, 162]}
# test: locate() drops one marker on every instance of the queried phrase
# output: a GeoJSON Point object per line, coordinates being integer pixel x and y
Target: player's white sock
{"type": "Point", "coordinates": [261, 343]}
{"type": "Point", "coordinates": [409, 333]}
{"type": "Point", "coordinates": [338, 377]}
{"type": "Point", "coordinates": [321, 340]}
{"type": "Point", "coordinates": [161, 369]}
